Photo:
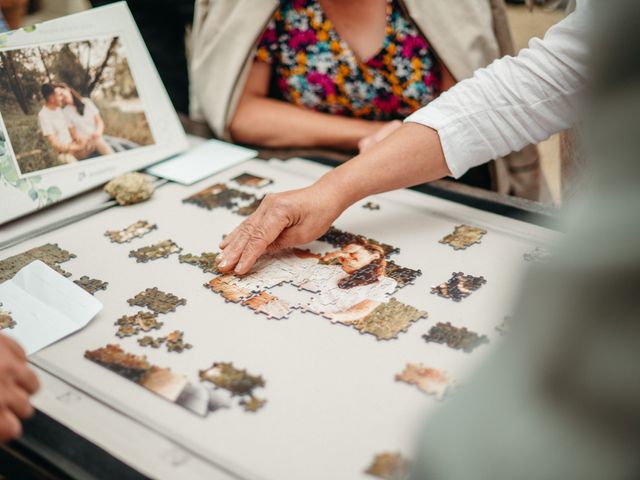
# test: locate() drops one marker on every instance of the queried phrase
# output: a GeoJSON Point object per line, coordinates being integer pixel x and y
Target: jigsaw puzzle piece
{"type": "Point", "coordinates": [430, 380]}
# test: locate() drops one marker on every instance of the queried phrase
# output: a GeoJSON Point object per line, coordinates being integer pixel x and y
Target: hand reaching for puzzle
{"type": "Point", "coordinates": [283, 220]}
{"type": "Point", "coordinates": [411, 155]}
{"type": "Point", "coordinates": [17, 384]}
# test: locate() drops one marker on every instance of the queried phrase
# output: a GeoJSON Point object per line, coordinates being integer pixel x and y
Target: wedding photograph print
{"type": "Point", "coordinates": [68, 102]}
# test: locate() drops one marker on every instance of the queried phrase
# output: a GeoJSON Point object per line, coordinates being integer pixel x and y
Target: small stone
{"type": "Point", "coordinates": [130, 188]}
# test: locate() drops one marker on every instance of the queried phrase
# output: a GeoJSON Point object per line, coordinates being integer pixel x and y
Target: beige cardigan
{"type": "Point", "coordinates": [465, 34]}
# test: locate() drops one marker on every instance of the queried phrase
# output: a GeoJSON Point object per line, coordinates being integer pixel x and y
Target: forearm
{"type": "Point", "coordinates": [273, 123]}
{"type": "Point", "coordinates": [410, 156]}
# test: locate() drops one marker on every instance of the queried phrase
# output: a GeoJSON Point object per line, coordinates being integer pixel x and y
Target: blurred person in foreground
{"type": "Point", "coordinates": [17, 381]}
{"type": "Point", "coordinates": [560, 399]}
{"type": "Point", "coordinates": [17, 384]}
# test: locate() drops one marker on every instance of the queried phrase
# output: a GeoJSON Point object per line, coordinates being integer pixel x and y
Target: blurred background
{"type": "Point", "coordinates": [526, 23]}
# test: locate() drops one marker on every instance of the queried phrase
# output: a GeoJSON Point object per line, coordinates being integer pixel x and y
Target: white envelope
{"type": "Point", "coordinates": [45, 305]}
{"type": "Point", "coordinates": [201, 162]}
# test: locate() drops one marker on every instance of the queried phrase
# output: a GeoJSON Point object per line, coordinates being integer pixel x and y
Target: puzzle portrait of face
{"type": "Point", "coordinates": [352, 284]}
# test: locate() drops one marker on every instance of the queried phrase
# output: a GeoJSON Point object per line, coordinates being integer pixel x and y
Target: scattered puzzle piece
{"type": "Point", "coordinates": [91, 285]}
{"type": "Point", "coordinates": [389, 466]}
{"type": "Point", "coordinates": [464, 236]}
{"type": "Point", "coordinates": [253, 404]}
{"type": "Point", "coordinates": [130, 325]}
{"type": "Point", "coordinates": [132, 367]}
{"type": "Point", "coordinates": [156, 300]}
{"type": "Point", "coordinates": [220, 196]}
{"type": "Point", "coordinates": [237, 382]}
{"type": "Point", "coordinates": [539, 255]}
{"type": "Point", "coordinates": [127, 331]}
{"type": "Point", "coordinates": [456, 338]}
{"type": "Point", "coordinates": [171, 386]}
{"type": "Point", "coordinates": [50, 253]}
{"type": "Point", "coordinates": [175, 342]}
{"type": "Point", "coordinates": [250, 180]}
{"type": "Point", "coordinates": [459, 286]}
{"type": "Point", "coordinates": [206, 261]}
{"type": "Point", "coordinates": [6, 320]}
{"type": "Point", "coordinates": [156, 251]}
{"type": "Point", "coordinates": [147, 321]}
{"type": "Point", "coordinates": [430, 380]}
{"type": "Point", "coordinates": [135, 230]}
{"type": "Point", "coordinates": [404, 276]}
{"type": "Point", "coordinates": [136, 368]}
{"type": "Point", "coordinates": [371, 206]}
{"type": "Point", "coordinates": [148, 341]}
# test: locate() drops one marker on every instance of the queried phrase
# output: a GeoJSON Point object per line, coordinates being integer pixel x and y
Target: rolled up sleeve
{"type": "Point", "coordinates": [515, 101]}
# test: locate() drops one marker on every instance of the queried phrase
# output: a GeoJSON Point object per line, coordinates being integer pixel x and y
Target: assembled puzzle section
{"type": "Point", "coordinates": [351, 285]}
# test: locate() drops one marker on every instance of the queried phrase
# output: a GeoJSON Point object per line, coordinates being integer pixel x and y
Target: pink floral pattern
{"type": "Point", "coordinates": [314, 68]}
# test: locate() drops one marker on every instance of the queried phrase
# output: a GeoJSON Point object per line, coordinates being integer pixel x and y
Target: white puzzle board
{"type": "Point", "coordinates": [332, 399]}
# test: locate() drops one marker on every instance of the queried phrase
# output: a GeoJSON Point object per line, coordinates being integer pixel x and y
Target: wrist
{"type": "Point", "coordinates": [338, 189]}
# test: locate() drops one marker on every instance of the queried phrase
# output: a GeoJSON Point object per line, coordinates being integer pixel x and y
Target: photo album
{"type": "Point", "coordinates": [80, 103]}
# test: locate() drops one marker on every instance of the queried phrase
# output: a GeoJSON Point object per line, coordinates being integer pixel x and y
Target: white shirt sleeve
{"type": "Point", "coordinates": [515, 101]}
{"type": "Point", "coordinates": [46, 126]}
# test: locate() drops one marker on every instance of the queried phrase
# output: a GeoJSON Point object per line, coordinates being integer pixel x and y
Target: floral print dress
{"type": "Point", "coordinates": [313, 67]}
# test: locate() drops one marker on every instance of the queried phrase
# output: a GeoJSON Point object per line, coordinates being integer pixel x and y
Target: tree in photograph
{"type": "Point", "coordinates": [67, 68]}
{"type": "Point", "coordinates": [103, 65]}
{"type": "Point", "coordinates": [9, 66]}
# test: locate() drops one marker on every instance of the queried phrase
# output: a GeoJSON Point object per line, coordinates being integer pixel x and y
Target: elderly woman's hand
{"type": "Point", "coordinates": [411, 155]}
{"type": "Point", "coordinates": [282, 221]}
{"type": "Point", "coordinates": [17, 384]}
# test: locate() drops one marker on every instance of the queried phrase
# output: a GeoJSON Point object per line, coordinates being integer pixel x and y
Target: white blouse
{"type": "Point", "coordinates": [515, 101]}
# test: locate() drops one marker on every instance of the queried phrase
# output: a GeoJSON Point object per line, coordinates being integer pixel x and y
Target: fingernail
{"type": "Point", "coordinates": [223, 264]}
{"type": "Point", "coordinates": [239, 268]}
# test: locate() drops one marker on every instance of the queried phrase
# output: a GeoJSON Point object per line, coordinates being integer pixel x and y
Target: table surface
{"type": "Point", "coordinates": [86, 415]}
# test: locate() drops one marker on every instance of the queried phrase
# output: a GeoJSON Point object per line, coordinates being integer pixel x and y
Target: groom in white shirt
{"type": "Point", "coordinates": [55, 127]}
